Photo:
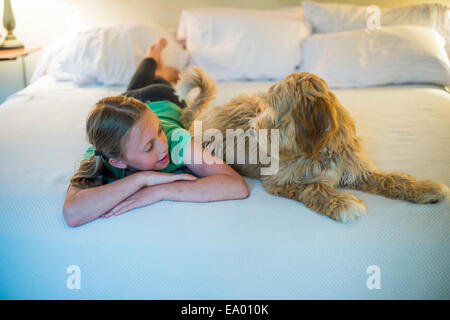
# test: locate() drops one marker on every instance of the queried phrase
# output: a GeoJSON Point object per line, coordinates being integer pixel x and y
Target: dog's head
{"type": "Point", "coordinates": [306, 109]}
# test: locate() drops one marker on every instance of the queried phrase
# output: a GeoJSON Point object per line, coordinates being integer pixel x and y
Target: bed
{"type": "Point", "coordinates": [262, 247]}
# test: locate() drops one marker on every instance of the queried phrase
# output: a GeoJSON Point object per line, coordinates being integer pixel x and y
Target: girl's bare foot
{"type": "Point", "coordinates": [154, 51]}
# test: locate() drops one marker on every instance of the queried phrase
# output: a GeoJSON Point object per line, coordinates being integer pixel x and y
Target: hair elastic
{"type": "Point", "coordinates": [98, 153]}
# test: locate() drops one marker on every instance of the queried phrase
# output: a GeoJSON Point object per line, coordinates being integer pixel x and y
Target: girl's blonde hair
{"type": "Point", "coordinates": [107, 127]}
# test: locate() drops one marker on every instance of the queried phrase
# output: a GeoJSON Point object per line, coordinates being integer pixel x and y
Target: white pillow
{"type": "Point", "coordinates": [389, 55]}
{"type": "Point", "coordinates": [50, 61]}
{"type": "Point", "coordinates": [333, 17]}
{"type": "Point", "coordinates": [242, 44]}
{"type": "Point", "coordinates": [110, 55]}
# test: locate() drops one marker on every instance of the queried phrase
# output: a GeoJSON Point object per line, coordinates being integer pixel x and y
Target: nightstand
{"type": "Point", "coordinates": [13, 71]}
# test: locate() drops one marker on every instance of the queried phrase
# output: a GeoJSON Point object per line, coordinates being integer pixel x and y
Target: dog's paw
{"type": "Point", "coordinates": [348, 208]}
{"type": "Point", "coordinates": [430, 192]}
{"type": "Point", "coordinates": [353, 211]}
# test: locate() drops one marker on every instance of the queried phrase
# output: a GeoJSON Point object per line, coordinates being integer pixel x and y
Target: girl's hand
{"type": "Point", "coordinates": [141, 198]}
{"type": "Point", "coordinates": [147, 195]}
{"type": "Point", "coordinates": [152, 178]}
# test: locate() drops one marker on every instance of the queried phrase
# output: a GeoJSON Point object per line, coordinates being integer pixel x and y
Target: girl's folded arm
{"type": "Point", "coordinates": [218, 181]}
{"type": "Point", "coordinates": [84, 205]}
{"type": "Point", "coordinates": [213, 188]}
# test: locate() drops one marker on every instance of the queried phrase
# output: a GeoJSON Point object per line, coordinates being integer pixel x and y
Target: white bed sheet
{"type": "Point", "coordinates": [263, 247]}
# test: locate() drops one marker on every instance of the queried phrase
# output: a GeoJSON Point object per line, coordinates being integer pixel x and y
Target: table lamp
{"type": "Point", "coordinates": [9, 23]}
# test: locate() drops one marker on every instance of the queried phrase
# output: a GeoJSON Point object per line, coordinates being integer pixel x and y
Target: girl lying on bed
{"type": "Point", "coordinates": [130, 161]}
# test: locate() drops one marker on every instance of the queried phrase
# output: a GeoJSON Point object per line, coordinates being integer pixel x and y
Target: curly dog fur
{"type": "Point", "coordinates": [319, 150]}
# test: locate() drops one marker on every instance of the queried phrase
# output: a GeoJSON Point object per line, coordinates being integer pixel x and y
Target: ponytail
{"type": "Point", "coordinates": [88, 174]}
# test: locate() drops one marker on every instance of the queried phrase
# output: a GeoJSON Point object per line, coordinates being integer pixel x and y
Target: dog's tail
{"type": "Point", "coordinates": [194, 77]}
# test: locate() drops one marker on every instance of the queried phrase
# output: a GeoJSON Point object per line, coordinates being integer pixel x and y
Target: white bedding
{"type": "Point", "coordinates": [263, 247]}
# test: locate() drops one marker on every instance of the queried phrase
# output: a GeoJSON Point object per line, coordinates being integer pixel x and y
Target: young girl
{"type": "Point", "coordinates": [130, 161]}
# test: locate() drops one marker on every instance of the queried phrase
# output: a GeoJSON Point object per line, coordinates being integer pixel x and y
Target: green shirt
{"type": "Point", "coordinates": [177, 140]}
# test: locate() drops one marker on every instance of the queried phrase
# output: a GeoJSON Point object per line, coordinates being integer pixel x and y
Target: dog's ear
{"type": "Point", "coordinates": [314, 113]}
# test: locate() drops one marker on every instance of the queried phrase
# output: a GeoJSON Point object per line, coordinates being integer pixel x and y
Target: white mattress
{"type": "Point", "coordinates": [263, 247]}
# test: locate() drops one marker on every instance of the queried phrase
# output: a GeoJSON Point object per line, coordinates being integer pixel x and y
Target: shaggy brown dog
{"type": "Point", "coordinates": [318, 147]}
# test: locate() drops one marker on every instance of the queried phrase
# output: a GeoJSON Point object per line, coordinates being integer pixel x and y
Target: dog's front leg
{"type": "Point", "coordinates": [322, 198]}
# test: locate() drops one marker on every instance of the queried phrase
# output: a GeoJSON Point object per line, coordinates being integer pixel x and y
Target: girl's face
{"type": "Point", "coordinates": [147, 147]}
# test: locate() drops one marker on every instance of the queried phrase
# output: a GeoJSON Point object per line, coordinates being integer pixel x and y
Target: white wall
{"type": "Point", "coordinates": [40, 22]}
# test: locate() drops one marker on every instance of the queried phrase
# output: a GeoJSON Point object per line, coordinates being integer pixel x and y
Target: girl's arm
{"type": "Point", "coordinates": [214, 188]}
{"type": "Point", "coordinates": [218, 181]}
{"type": "Point", "coordinates": [84, 205]}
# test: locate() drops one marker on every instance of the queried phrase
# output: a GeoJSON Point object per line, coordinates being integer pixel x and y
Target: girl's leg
{"type": "Point", "coordinates": [144, 75]}
{"type": "Point", "coordinates": [156, 92]}
{"type": "Point", "coordinates": [149, 67]}
{"type": "Point", "coordinates": [161, 80]}
{"type": "Point", "coordinates": [146, 85]}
